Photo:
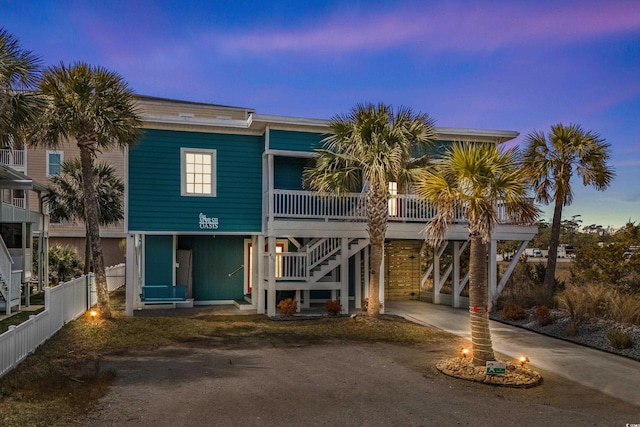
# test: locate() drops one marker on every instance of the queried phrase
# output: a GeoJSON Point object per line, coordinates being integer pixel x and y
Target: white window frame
{"type": "Point", "coordinates": [183, 171]}
{"type": "Point", "coordinates": [49, 153]}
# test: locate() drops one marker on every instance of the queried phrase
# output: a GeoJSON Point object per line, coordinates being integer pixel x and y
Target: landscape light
{"type": "Point", "coordinates": [524, 360]}
{"type": "Point", "coordinates": [93, 314]}
{"type": "Point", "coordinates": [464, 352]}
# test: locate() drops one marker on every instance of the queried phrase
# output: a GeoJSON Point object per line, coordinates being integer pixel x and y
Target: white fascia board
{"type": "Point", "coordinates": [197, 121]}
{"type": "Point", "coordinates": [290, 153]}
{"type": "Point", "coordinates": [476, 134]}
{"type": "Point", "coordinates": [441, 132]}
{"type": "Point", "coordinates": [296, 121]}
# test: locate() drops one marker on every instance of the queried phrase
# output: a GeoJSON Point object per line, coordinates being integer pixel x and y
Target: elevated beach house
{"type": "Point", "coordinates": [23, 232]}
{"type": "Point", "coordinates": [216, 213]}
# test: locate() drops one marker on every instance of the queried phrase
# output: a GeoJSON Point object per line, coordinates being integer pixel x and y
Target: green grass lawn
{"type": "Point", "coordinates": [64, 373]}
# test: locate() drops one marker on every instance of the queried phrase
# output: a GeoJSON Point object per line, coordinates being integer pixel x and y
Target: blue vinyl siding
{"type": "Point", "coordinates": [158, 260]}
{"type": "Point", "coordinates": [288, 172]}
{"type": "Point", "coordinates": [213, 260]}
{"type": "Point", "coordinates": [295, 141]}
{"type": "Point", "coordinates": [155, 203]}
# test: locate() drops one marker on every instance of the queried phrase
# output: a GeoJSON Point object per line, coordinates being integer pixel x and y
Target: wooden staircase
{"type": "Point", "coordinates": [311, 267]}
{"type": "Point", "coordinates": [9, 291]}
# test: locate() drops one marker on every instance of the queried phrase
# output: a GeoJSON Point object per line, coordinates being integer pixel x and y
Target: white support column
{"type": "Point", "coordinates": [366, 272]}
{"type": "Point", "coordinates": [271, 287]}
{"type": "Point", "coordinates": [260, 288]}
{"type": "Point", "coordinates": [270, 204]}
{"type": "Point", "coordinates": [455, 301]}
{"type": "Point", "coordinates": [130, 272]}
{"type": "Point", "coordinates": [307, 299]}
{"type": "Point", "coordinates": [297, 299]}
{"type": "Point", "coordinates": [175, 259]}
{"type": "Point", "coordinates": [358, 279]}
{"type": "Point", "coordinates": [436, 271]}
{"type": "Point", "coordinates": [493, 272]}
{"type": "Point", "coordinates": [344, 275]}
{"type": "Point", "coordinates": [254, 268]}
{"type": "Point", "coordinates": [381, 284]}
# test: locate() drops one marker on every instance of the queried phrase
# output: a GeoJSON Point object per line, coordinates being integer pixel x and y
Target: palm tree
{"type": "Point", "coordinates": [474, 178]}
{"type": "Point", "coordinates": [94, 108]}
{"type": "Point", "coordinates": [552, 160]}
{"type": "Point", "coordinates": [370, 147]}
{"type": "Point", "coordinates": [66, 196]}
{"type": "Point", "coordinates": [19, 73]}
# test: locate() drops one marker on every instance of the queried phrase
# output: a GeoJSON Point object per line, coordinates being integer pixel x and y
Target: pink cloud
{"type": "Point", "coordinates": [458, 26]}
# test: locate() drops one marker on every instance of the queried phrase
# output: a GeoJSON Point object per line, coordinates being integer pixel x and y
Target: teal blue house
{"type": "Point", "coordinates": [216, 213]}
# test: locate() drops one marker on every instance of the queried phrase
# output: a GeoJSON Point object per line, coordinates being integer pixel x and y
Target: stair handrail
{"type": "Point", "coordinates": [323, 249]}
{"type": "Point", "coordinates": [6, 261]}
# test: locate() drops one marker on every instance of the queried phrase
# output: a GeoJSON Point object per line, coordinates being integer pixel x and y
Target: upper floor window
{"type": "Point", "coordinates": [54, 162]}
{"type": "Point", "coordinates": [198, 172]}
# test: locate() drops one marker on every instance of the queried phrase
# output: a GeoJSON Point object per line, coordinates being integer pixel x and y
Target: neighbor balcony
{"type": "Point", "coordinates": [13, 158]}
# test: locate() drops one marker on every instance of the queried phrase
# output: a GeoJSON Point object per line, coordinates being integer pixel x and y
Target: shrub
{"type": "Point", "coordinates": [525, 287]}
{"type": "Point", "coordinates": [288, 307]}
{"type": "Point", "coordinates": [619, 339]}
{"type": "Point", "coordinates": [575, 301]}
{"type": "Point", "coordinates": [625, 308]}
{"type": "Point", "coordinates": [64, 263]}
{"type": "Point", "coordinates": [514, 311]}
{"type": "Point", "coordinates": [543, 315]}
{"type": "Point", "coordinates": [572, 329]}
{"type": "Point", "coordinates": [332, 307]}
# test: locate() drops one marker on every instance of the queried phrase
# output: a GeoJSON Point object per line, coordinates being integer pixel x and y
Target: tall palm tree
{"type": "Point", "coordinates": [66, 197]}
{"type": "Point", "coordinates": [19, 103]}
{"type": "Point", "coordinates": [371, 146]}
{"type": "Point", "coordinates": [552, 160]}
{"type": "Point", "coordinates": [94, 108]}
{"type": "Point", "coordinates": [474, 178]}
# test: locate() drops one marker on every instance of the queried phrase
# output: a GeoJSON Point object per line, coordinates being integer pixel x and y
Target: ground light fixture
{"type": "Point", "coordinates": [93, 314]}
{"type": "Point", "coordinates": [523, 360]}
{"type": "Point", "coordinates": [464, 352]}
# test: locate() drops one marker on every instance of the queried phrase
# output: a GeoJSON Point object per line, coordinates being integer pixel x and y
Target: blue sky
{"type": "Point", "coordinates": [509, 65]}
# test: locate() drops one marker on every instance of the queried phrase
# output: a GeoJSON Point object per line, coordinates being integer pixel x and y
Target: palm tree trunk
{"type": "Point", "coordinates": [91, 217]}
{"type": "Point", "coordinates": [87, 249]}
{"type": "Point", "coordinates": [479, 302]}
{"type": "Point", "coordinates": [554, 241]}
{"type": "Point", "coordinates": [377, 226]}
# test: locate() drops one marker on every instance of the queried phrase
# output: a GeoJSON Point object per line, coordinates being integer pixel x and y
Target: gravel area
{"type": "Point", "coordinates": [335, 384]}
{"type": "Point", "coordinates": [590, 333]}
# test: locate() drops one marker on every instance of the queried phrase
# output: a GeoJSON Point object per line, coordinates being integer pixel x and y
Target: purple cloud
{"type": "Point", "coordinates": [446, 26]}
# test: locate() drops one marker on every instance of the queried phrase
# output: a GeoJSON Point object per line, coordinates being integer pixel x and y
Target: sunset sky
{"type": "Point", "coordinates": [519, 66]}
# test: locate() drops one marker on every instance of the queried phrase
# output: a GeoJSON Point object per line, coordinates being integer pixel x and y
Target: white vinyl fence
{"type": "Point", "coordinates": [62, 304]}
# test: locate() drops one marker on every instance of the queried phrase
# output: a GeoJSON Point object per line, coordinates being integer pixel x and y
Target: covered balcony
{"type": "Point", "coordinates": [13, 158]}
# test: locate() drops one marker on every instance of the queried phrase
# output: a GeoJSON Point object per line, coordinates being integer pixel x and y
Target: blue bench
{"type": "Point", "coordinates": [163, 293]}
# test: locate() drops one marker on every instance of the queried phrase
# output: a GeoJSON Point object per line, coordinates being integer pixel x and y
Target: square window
{"type": "Point", "coordinates": [198, 172]}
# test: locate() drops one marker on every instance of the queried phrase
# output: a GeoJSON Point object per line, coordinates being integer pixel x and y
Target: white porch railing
{"type": "Point", "coordinates": [350, 207]}
{"type": "Point", "coordinates": [18, 202]}
{"type": "Point", "coordinates": [12, 158]}
{"type": "Point", "coordinates": [311, 205]}
{"type": "Point", "coordinates": [63, 303]}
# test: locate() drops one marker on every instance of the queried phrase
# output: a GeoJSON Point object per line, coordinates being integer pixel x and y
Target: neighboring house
{"type": "Point", "coordinates": [215, 204]}
{"type": "Point", "coordinates": [40, 164]}
{"type": "Point", "coordinates": [23, 235]}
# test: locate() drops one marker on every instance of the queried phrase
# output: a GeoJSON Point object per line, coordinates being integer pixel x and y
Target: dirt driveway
{"type": "Point", "coordinates": [335, 384]}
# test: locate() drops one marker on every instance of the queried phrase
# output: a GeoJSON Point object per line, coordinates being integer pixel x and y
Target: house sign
{"type": "Point", "coordinates": [496, 368]}
{"type": "Point", "coordinates": [207, 223]}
